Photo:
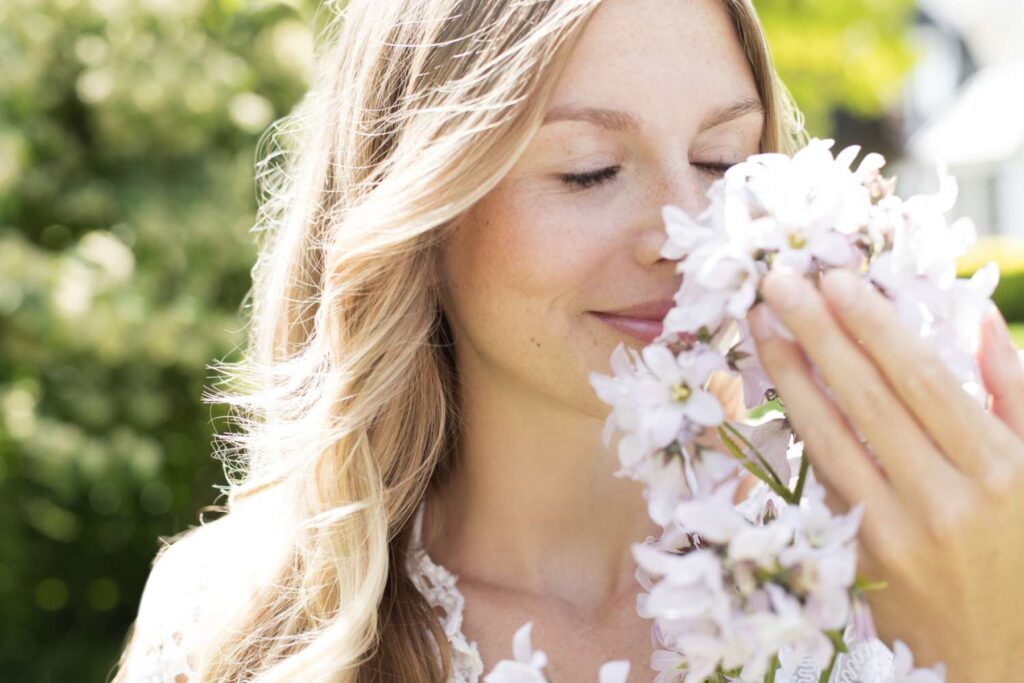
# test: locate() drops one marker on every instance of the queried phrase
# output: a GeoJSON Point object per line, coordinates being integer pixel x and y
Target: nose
{"type": "Point", "coordinates": [677, 183]}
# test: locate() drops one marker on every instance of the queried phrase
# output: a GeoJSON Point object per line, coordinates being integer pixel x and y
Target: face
{"type": "Point", "coordinates": [575, 228]}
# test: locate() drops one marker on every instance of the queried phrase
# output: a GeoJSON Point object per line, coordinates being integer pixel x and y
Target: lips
{"type": "Point", "coordinates": [642, 321]}
{"type": "Point", "coordinates": [644, 329]}
{"type": "Point", "coordinates": [656, 309]}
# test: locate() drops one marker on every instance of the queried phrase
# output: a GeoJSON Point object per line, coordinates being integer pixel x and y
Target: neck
{"type": "Point", "coordinates": [533, 505]}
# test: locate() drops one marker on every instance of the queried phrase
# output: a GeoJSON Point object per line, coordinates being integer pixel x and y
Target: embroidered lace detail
{"type": "Point", "coordinates": [437, 584]}
{"type": "Point", "coordinates": [165, 631]}
{"type": "Point", "coordinates": [867, 661]}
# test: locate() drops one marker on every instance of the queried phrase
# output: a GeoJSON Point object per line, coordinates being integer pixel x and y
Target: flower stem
{"type": "Point", "coordinates": [751, 467]}
{"type": "Point", "coordinates": [827, 673]}
{"type": "Point", "coordinates": [798, 492]}
{"type": "Point", "coordinates": [772, 667]}
{"type": "Point", "coordinates": [757, 453]}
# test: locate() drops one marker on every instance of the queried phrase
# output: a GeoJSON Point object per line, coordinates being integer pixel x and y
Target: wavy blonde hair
{"type": "Point", "coordinates": [347, 396]}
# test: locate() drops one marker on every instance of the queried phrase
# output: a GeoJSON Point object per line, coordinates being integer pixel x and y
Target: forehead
{"type": "Point", "coordinates": [677, 57]}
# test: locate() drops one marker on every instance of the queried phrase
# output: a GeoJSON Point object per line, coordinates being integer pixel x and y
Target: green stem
{"type": "Point", "coordinates": [772, 667]}
{"type": "Point", "coordinates": [827, 673]}
{"type": "Point", "coordinates": [757, 453]}
{"type": "Point", "coordinates": [862, 585]}
{"type": "Point", "coordinates": [798, 492]}
{"type": "Point", "coordinates": [735, 451]}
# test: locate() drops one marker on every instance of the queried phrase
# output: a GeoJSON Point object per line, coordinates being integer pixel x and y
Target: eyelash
{"type": "Point", "coordinates": [585, 180]}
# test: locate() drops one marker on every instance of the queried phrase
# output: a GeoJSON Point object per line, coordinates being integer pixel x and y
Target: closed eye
{"type": "Point", "coordinates": [593, 178]}
{"type": "Point", "coordinates": [715, 169]}
{"type": "Point", "coordinates": [585, 180]}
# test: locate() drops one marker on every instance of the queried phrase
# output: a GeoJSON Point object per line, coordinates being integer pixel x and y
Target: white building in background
{"type": "Point", "coordinates": [964, 105]}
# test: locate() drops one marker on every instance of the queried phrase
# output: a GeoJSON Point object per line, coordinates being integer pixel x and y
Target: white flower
{"type": "Point", "coordinates": [903, 663]}
{"type": "Point", "coordinates": [681, 397]}
{"type": "Point", "coordinates": [719, 282]}
{"type": "Point", "coordinates": [706, 469]}
{"type": "Point", "coordinates": [698, 571]}
{"type": "Point", "coordinates": [684, 234]}
{"type": "Point", "coordinates": [761, 544]}
{"type": "Point", "coordinates": [755, 379]}
{"type": "Point", "coordinates": [671, 666]}
{"type": "Point", "coordinates": [762, 576]}
{"type": "Point", "coordinates": [657, 399]}
{"type": "Point", "coordinates": [798, 636]}
{"type": "Point", "coordinates": [613, 672]}
{"type": "Point", "coordinates": [713, 516]}
{"type": "Point", "coordinates": [824, 555]}
{"type": "Point", "coordinates": [665, 487]}
{"type": "Point", "coordinates": [527, 665]}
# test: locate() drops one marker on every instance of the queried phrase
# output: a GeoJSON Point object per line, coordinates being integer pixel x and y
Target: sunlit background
{"type": "Point", "coordinates": [128, 134]}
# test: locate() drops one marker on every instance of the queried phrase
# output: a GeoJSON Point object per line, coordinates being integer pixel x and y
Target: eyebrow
{"type": "Point", "coordinates": [616, 120]}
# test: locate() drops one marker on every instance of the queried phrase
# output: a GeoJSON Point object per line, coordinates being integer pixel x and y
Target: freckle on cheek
{"type": "Point", "coordinates": [535, 342]}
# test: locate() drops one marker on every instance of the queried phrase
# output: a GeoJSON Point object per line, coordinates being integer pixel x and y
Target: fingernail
{"type": "Point", "coordinates": [841, 287]}
{"type": "Point", "coordinates": [781, 289]}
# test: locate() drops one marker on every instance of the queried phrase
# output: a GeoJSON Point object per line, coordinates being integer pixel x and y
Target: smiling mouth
{"type": "Point", "coordinates": [640, 328]}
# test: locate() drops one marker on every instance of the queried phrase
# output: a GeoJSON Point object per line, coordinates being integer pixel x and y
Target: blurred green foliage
{"type": "Point", "coordinates": [849, 54]}
{"type": "Point", "coordinates": [128, 130]}
{"type": "Point", "coordinates": [127, 137]}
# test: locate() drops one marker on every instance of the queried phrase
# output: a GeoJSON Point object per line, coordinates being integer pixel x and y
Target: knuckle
{"type": "Point", "coordinates": [950, 518]}
{"type": "Point", "coordinates": [1003, 480]}
{"type": "Point", "coordinates": [896, 555]}
{"type": "Point", "coordinates": [886, 551]}
{"type": "Point", "coordinates": [925, 382]}
{"type": "Point", "coordinates": [869, 400]}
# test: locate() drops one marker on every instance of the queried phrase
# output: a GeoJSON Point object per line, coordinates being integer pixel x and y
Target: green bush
{"type": "Point", "coordinates": [127, 137]}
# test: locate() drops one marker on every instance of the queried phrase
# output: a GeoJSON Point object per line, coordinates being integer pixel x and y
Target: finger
{"type": "Point", "coordinates": [964, 432]}
{"type": "Point", "coordinates": [833, 499]}
{"type": "Point", "coordinates": [915, 466]}
{"type": "Point", "coordinates": [839, 460]}
{"type": "Point", "coordinates": [1002, 371]}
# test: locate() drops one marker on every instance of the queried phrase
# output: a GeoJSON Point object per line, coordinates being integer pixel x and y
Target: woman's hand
{"type": "Point", "coordinates": [942, 478]}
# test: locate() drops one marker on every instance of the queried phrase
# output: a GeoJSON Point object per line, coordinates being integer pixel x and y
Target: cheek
{"type": "Point", "coordinates": [519, 261]}
{"type": "Point", "coordinates": [518, 275]}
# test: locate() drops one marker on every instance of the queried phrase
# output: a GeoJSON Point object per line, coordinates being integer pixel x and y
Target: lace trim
{"type": "Point", "coordinates": [437, 584]}
{"type": "Point", "coordinates": [868, 661]}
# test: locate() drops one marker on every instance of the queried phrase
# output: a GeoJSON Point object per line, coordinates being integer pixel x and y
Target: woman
{"type": "Point", "coordinates": [474, 186]}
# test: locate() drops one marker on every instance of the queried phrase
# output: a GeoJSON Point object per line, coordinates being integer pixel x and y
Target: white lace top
{"type": "Point", "coordinates": [866, 662]}
{"type": "Point", "coordinates": [166, 628]}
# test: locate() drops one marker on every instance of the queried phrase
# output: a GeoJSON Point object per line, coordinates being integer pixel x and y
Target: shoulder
{"type": "Point", "coordinates": [198, 578]}
{"type": "Point", "coordinates": [159, 646]}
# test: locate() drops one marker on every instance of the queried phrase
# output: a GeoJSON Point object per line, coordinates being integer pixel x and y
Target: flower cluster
{"type": "Point", "coordinates": [759, 586]}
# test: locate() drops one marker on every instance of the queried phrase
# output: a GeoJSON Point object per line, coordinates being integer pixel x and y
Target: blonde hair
{"type": "Point", "coordinates": [347, 397]}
